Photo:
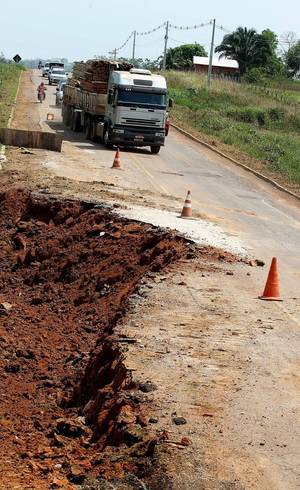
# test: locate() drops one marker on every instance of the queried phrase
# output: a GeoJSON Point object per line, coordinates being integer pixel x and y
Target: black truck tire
{"type": "Point", "coordinates": [93, 135]}
{"type": "Point", "coordinates": [88, 128]}
{"type": "Point", "coordinates": [66, 115]}
{"type": "Point", "coordinates": [75, 123]}
{"type": "Point", "coordinates": [155, 150]}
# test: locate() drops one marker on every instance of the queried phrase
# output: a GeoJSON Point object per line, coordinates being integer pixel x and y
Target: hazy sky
{"type": "Point", "coordinates": [80, 29]}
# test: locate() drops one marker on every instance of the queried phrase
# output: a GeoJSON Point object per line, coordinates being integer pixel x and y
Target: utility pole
{"type": "Point", "coordinates": [114, 53]}
{"type": "Point", "coordinates": [212, 48]}
{"type": "Point", "coordinates": [166, 46]}
{"type": "Point", "coordinates": [134, 43]}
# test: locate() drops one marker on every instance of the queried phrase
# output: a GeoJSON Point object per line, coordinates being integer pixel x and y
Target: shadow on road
{"type": "Point", "coordinates": [78, 139]}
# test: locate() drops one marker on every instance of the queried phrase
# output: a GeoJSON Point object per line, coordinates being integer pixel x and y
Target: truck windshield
{"type": "Point", "coordinates": [129, 97]}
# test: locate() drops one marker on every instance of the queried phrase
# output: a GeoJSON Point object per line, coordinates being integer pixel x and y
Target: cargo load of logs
{"type": "Point", "coordinates": [93, 75]}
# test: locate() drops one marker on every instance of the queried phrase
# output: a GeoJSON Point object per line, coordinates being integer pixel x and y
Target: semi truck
{"type": "Point", "coordinates": [132, 109]}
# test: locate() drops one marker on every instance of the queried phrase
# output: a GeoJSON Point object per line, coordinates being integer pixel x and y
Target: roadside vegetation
{"type": "Point", "coordinates": [9, 79]}
{"type": "Point", "coordinates": [262, 122]}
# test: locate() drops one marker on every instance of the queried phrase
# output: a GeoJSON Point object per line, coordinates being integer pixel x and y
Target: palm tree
{"type": "Point", "coordinates": [247, 47]}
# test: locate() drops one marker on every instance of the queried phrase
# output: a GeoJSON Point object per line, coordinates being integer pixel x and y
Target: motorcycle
{"type": "Point", "coordinates": [41, 97]}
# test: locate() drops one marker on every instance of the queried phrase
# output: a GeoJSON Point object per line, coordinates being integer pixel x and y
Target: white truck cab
{"type": "Point", "coordinates": [136, 109]}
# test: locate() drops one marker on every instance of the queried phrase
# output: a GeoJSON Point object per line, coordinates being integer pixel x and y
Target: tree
{"type": "Point", "coordinates": [247, 47]}
{"type": "Point", "coordinates": [288, 40]}
{"type": "Point", "coordinates": [181, 57]}
{"type": "Point", "coordinates": [292, 59]}
{"type": "Point", "coordinates": [274, 65]}
{"type": "Point", "coordinates": [2, 58]}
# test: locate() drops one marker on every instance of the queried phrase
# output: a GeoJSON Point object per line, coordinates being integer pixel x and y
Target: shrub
{"type": "Point", "coordinates": [255, 75]}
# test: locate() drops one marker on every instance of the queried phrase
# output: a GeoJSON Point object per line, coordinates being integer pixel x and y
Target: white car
{"type": "Point", "coordinates": [46, 69]}
{"type": "Point", "coordinates": [57, 75]}
{"type": "Point", "coordinates": [59, 93]}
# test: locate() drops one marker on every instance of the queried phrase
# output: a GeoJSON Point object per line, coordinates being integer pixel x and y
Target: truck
{"type": "Point", "coordinates": [131, 110]}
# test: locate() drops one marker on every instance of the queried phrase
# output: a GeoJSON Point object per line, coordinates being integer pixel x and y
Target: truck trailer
{"type": "Point", "coordinates": [126, 107]}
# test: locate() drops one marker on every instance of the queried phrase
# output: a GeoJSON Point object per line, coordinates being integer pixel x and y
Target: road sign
{"type": "Point", "coordinates": [17, 58]}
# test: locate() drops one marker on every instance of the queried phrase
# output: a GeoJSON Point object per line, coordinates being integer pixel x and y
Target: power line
{"type": "Point", "coordinates": [167, 27]}
{"type": "Point", "coordinates": [124, 44]}
{"type": "Point", "coordinates": [188, 28]}
{"type": "Point", "coordinates": [146, 33]}
{"type": "Point", "coordinates": [222, 28]}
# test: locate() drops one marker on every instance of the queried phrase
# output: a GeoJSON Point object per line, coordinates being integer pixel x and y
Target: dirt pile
{"type": "Point", "coordinates": [68, 406]}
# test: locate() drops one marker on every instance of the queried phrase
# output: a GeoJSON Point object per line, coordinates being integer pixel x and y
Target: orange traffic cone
{"type": "Point", "coordinates": [271, 292]}
{"type": "Point", "coordinates": [187, 207]}
{"type": "Point", "coordinates": [117, 160]}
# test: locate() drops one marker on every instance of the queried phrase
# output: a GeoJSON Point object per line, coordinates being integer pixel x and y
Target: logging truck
{"type": "Point", "coordinates": [132, 111]}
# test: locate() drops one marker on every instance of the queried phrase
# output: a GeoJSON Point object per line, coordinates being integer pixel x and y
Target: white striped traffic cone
{"type": "Point", "coordinates": [187, 207]}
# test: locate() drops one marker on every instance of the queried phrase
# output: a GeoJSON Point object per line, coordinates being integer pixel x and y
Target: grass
{"type": "Point", "coordinates": [9, 79]}
{"type": "Point", "coordinates": [259, 123]}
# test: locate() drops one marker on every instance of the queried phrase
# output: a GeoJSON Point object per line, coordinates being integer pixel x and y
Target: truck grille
{"type": "Point", "coordinates": [141, 122]}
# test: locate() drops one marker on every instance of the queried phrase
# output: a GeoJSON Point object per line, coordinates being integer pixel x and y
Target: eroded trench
{"type": "Point", "coordinates": [69, 408]}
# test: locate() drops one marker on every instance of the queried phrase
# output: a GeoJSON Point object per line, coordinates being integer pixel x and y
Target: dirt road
{"type": "Point", "coordinates": [225, 361]}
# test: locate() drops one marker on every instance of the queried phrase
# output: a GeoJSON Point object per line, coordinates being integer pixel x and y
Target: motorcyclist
{"type": "Point", "coordinates": [41, 90]}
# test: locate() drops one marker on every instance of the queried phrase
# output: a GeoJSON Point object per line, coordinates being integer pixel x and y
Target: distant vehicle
{"type": "Point", "coordinates": [60, 93]}
{"type": "Point", "coordinates": [49, 65]}
{"type": "Point", "coordinates": [46, 69]}
{"type": "Point", "coordinates": [57, 75]}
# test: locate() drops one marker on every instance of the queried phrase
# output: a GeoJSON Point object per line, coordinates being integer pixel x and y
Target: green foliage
{"type": "Point", "coordinates": [255, 75]}
{"type": "Point", "coordinates": [262, 123]}
{"type": "Point", "coordinates": [248, 48]}
{"type": "Point", "coordinates": [146, 64]}
{"type": "Point", "coordinates": [181, 57]}
{"type": "Point", "coordinates": [9, 79]}
{"type": "Point", "coordinates": [292, 58]}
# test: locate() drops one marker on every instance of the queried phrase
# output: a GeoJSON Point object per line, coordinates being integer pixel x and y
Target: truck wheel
{"type": "Point", "coordinates": [155, 150]}
{"type": "Point", "coordinates": [106, 141]}
{"type": "Point", "coordinates": [75, 122]}
{"type": "Point", "coordinates": [94, 131]}
{"type": "Point", "coordinates": [88, 128]}
{"type": "Point", "coordinates": [66, 115]}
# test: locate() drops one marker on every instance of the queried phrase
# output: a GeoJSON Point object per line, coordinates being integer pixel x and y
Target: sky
{"type": "Point", "coordinates": [81, 29]}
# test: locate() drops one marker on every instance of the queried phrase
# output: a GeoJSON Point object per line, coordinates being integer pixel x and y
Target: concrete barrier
{"type": "Point", "coordinates": [31, 139]}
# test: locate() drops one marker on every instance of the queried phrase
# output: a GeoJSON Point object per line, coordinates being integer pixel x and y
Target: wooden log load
{"type": "Point", "coordinates": [93, 75]}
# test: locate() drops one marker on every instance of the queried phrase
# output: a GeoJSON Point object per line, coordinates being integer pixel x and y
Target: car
{"type": "Point", "coordinates": [56, 75]}
{"type": "Point", "coordinates": [59, 93]}
{"type": "Point", "coordinates": [49, 66]}
{"type": "Point", "coordinates": [46, 70]}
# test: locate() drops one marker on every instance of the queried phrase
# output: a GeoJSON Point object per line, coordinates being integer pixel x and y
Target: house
{"type": "Point", "coordinates": [222, 66]}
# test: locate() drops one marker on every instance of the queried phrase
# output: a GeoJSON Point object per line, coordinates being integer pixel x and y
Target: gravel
{"type": "Point", "coordinates": [198, 230]}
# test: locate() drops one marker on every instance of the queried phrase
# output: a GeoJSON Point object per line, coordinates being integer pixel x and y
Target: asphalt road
{"type": "Point", "coordinates": [266, 219]}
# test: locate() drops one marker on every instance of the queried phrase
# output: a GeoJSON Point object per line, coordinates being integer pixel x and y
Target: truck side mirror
{"type": "Point", "coordinates": [170, 103]}
{"type": "Point", "coordinates": [110, 97]}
